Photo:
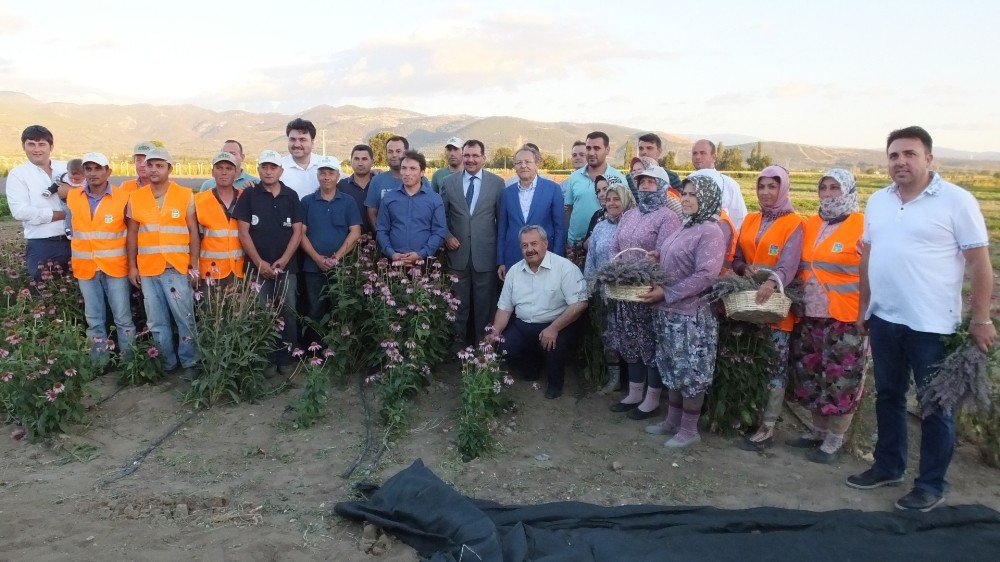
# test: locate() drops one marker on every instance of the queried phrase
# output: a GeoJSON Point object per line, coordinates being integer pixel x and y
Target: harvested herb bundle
{"type": "Point", "coordinates": [633, 272]}
{"type": "Point", "coordinates": [963, 378]}
{"type": "Point", "coordinates": [732, 283]}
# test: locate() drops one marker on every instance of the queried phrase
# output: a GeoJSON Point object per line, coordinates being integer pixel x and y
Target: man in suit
{"type": "Point", "coordinates": [532, 200]}
{"type": "Point", "coordinates": [471, 206]}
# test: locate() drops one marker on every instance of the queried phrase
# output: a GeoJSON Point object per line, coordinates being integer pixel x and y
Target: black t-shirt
{"type": "Point", "coordinates": [271, 219]}
{"type": "Point", "coordinates": [349, 187]}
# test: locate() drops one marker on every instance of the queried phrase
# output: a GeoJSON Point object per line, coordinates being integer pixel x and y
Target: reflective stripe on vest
{"type": "Point", "coordinates": [98, 235]}
{"type": "Point", "coordinates": [98, 242]}
{"type": "Point", "coordinates": [222, 233]}
{"type": "Point", "coordinates": [163, 232]}
{"type": "Point", "coordinates": [235, 254]}
{"type": "Point", "coordinates": [835, 263]}
{"type": "Point", "coordinates": [221, 252]}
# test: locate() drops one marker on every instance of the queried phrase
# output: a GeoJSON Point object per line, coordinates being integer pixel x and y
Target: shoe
{"type": "Point", "coordinates": [637, 414]}
{"type": "Point", "coordinates": [802, 442]}
{"type": "Point", "coordinates": [822, 457]}
{"type": "Point", "coordinates": [661, 429]}
{"type": "Point", "coordinates": [677, 443]}
{"type": "Point", "coordinates": [623, 407]}
{"type": "Point", "coordinates": [919, 500]}
{"type": "Point", "coordinates": [756, 446]}
{"type": "Point", "coordinates": [871, 479]}
{"type": "Point", "coordinates": [552, 393]}
{"type": "Point", "coordinates": [286, 370]}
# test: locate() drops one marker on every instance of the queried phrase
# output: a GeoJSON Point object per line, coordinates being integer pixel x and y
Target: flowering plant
{"type": "Point", "coordinates": [317, 380]}
{"type": "Point", "coordinates": [739, 389]}
{"type": "Point", "coordinates": [141, 364]}
{"type": "Point", "coordinates": [45, 366]}
{"type": "Point", "coordinates": [483, 400]}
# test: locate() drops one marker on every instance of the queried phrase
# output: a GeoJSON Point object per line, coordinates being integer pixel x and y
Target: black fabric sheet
{"type": "Point", "coordinates": [444, 526]}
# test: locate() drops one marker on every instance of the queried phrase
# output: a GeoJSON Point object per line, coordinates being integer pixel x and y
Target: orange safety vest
{"type": "Point", "coordinates": [767, 251]}
{"type": "Point", "coordinates": [163, 231]}
{"type": "Point", "coordinates": [128, 186]}
{"type": "Point", "coordinates": [99, 239]}
{"type": "Point", "coordinates": [727, 263]}
{"type": "Point", "coordinates": [674, 193]}
{"type": "Point", "coordinates": [836, 263]}
{"type": "Point", "coordinates": [221, 252]}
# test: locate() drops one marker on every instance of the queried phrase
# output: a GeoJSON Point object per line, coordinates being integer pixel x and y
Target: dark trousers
{"type": "Point", "coordinates": [477, 292]}
{"type": "Point", "coordinates": [271, 290]}
{"type": "Point", "coordinates": [896, 352]}
{"type": "Point", "coordinates": [317, 305]}
{"type": "Point", "coordinates": [525, 353]}
{"type": "Point", "coordinates": [40, 251]}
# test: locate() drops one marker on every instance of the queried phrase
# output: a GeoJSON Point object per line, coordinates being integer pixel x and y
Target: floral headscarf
{"type": "Point", "coordinates": [836, 209]}
{"type": "Point", "coordinates": [783, 205]}
{"type": "Point", "coordinates": [709, 197]}
{"type": "Point", "coordinates": [649, 201]}
{"type": "Point", "coordinates": [625, 195]}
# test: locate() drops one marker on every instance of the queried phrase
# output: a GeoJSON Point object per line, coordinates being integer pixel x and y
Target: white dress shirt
{"type": "Point", "coordinates": [302, 180]}
{"type": "Point", "coordinates": [539, 297]}
{"type": "Point", "coordinates": [30, 201]}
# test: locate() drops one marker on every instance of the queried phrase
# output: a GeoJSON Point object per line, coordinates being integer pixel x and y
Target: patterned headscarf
{"type": "Point", "coordinates": [625, 194]}
{"type": "Point", "coordinates": [783, 205]}
{"type": "Point", "coordinates": [709, 200]}
{"type": "Point", "coordinates": [833, 208]}
{"type": "Point", "coordinates": [649, 201]}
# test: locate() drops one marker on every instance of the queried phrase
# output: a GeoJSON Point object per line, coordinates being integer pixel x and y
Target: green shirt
{"type": "Point", "coordinates": [437, 180]}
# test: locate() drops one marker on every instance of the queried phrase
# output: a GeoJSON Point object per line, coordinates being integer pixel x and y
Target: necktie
{"type": "Point", "coordinates": [470, 191]}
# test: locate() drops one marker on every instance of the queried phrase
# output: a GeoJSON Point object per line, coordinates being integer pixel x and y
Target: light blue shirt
{"type": "Point", "coordinates": [581, 195]}
{"type": "Point", "coordinates": [244, 181]}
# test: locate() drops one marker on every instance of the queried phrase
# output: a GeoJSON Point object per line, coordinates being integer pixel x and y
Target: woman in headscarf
{"type": "Point", "coordinates": [630, 323]}
{"type": "Point", "coordinates": [827, 352]}
{"type": "Point", "coordinates": [601, 185]}
{"type": "Point", "coordinates": [687, 331]}
{"type": "Point", "coordinates": [617, 201]}
{"type": "Point", "coordinates": [640, 164]}
{"type": "Point", "coordinates": [771, 240]}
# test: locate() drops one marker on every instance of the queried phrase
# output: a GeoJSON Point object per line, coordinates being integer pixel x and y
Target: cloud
{"type": "Point", "coordinates": [730, 99]}
{"type": "Point", "coordinates": [805, 90]}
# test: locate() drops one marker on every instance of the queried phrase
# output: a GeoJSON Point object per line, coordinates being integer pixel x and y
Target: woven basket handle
{"type": "Point", "coordinates": [627, 250]}
{"type": "Point", "coordinates": [777, 279]}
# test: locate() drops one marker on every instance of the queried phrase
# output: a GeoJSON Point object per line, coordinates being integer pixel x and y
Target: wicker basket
{"type": "Point", "coordinates": [743, 306]}
{"type": "Point", "coordinates": [627, 292]}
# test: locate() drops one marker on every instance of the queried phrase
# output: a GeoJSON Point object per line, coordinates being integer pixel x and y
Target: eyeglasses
{"type": "Point", "coordinates": [520, 163]}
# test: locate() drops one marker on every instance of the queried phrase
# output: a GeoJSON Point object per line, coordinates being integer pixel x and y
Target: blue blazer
{"type": "Point", "coordinates": [547, 211]}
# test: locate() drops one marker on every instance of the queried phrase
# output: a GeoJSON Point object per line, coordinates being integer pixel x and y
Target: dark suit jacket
{"type": "Point", "coordinates": [546, 211]}
{"type": "Point", "coordinates": [476, 232]}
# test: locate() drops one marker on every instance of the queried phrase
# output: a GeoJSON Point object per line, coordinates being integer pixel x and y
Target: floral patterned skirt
{"type": "Point", "coordinates": [828, 365]}
{"type": "Point", "coordinates": [630, 331]}
{"type": "Point", "coordinates": [779, 361]}
{"type": "Point", "coordinates": [685, 350]}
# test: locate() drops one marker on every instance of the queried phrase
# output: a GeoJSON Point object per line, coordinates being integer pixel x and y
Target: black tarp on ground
{"type": "Point", "coordinates": [442, 525]}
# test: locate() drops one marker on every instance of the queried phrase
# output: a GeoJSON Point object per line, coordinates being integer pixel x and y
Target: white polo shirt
{"type": "Point", "coordinates": [732, 197]}
{"type": "Point", "coordinates": [539, 297]}
{"type": "Point", "coordinates": [916, 265]}
{"type": "Point", "coordinates": [30, 201]}
{"type": "Point", "coordinates": [302, 180]}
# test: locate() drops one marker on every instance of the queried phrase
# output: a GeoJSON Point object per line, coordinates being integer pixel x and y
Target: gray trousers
{"type": "Point", "coordinates": [477, 292]}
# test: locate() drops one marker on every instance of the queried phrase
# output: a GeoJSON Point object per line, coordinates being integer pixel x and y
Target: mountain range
{"type": "Point", "coordinates": [192, 131]}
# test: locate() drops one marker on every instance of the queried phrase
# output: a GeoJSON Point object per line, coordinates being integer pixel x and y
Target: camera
{"type": "Point", "coordinates": [51, 190]}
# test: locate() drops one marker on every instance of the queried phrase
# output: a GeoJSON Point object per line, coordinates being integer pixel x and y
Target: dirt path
{"type": "Point", "coordinates": [255, 487]}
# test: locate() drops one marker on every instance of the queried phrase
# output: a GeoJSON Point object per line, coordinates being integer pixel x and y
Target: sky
{"type": "Point", "coordinates": [840, 73]}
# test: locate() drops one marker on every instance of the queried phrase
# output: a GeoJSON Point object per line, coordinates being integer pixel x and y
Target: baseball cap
{"type": "Point", "coordinates": [269, 157]}
{"type": "Point", "coordinates": [655, 172]}
{"type": "Point", "coordinates": [225, 157]}
{"type": "Point", "coordinates": [329, 162]}
{"type": "Point", "coordinates": [96, 158]}
{"type": "Point", "coordinates": [143, 148]}
{"type": "Point", "coordinates": [157, 153]}
{"type": "Point", "coordinates": [454, 141]}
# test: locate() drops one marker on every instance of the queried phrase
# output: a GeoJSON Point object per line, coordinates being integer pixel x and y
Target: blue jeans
{"type": "Point", "coordinates": [169, 296]}
{"type": "Point", "coordinates": [897, 351]}
{"type": "Point", "coordinates": [100, 293]}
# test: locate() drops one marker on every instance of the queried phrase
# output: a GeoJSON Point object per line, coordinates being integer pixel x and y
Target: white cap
{"type": "Point", "coordinates": [225, 157]}
{"type": "Point", "coordinates": [158, 153]}
{"type": "Point", "coordinates": [96, 158]}
{"type": "Point", "coordinates": [329, 162]}
{"type": "Point", "coordinates": [269, 157]}
{"type": "Point", "coordinates": [454, 141]}
{"type": "Point", "coordinates": [654, 172]}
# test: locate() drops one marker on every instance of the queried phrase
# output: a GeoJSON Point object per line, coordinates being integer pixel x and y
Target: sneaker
{"type": "Point", "coordinates": [871, 479]}
{"type": "Point", "coordinates": [919, 500]}
{"type": "Point", "coordinates": [662, 428]}
{"type": "Point", "coordinates": [678, 442]}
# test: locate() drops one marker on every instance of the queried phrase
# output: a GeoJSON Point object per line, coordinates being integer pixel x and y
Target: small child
{"type": "Point", "coordinates": [73, 178]}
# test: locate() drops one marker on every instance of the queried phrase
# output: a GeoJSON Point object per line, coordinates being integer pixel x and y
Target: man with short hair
{"type": "Point", "coordinates": [533, 200]}
{"type": "Point", "coordinates": [221, 259]}
{"type": "Point", "coordinates": [356, 185]}
{"type": "Point", "coordinates": [243, 180]}
{"type": "Point", "coordinates": [299, 165]}
{"type": "Point", "coordinates": [538, 158]}
{"type": "Point", "coordinates": [269, 216]}
{"type": "Point", "coordinates": [582, 200]}
{"type": "Point", "coordinates": [100, 264]}
{"type": "Point", "coordinates": [389, 181]}
{"type": "Point", "coordinates": [703, 158]}
{"type": "Point", "coordinates": [542, 298]}
{"type": "Point", "coordinates": [920, 236]}
{"type": "Point", "coordinates": [411, 224]}
{"type": "Point", "coordinates": [453, 156]}
{"type": "Point", "coordinates": [38, 207]}
{"type": "Point", "coordinates": [471, 207]}
{"type": "Point", "coordinates": [139, 152]}
{"type": "Point", "coordinates": [163, 248]}
{"type": "Point", "coordinates": [651, 145]}
{"type": "Point", "coordinates": [331, 227]}
{"type": "Point", "coordinates": [578, 158]}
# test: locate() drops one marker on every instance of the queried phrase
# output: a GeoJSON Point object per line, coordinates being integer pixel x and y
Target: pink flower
{"type": "Point", "coordinates": [255, 286]}
{"type": "Point", "coordinates": [298, 352]}
{"type": "Point", "coordinates": [70, 372]}
{"type": "Point", "coordinates": [8, 376]}
{"type": "Point", "coordinates": [50, 396]}
{"type": "Point", "coordinates": [316, 361]}
{"type": "Point", "coordinates": [315, 347]}
{"type": "Point", "coordinates": [58, 388]}
{"type": "Point", "coordinates": [345, 333]}
{"type": "Point", "coordinates": [153, 352]}
{"type": "Point", "coordinates": [198, 295]}
{"type": "Point", "coordinates": [328, 353]}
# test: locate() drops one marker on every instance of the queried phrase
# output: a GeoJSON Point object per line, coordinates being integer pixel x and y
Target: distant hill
{"type": "Point", "coordinates": [193, 131]}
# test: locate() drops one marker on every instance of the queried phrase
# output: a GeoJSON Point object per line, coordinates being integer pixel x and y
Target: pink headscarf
{"type": "Point", "coordinates": [783, 205]}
